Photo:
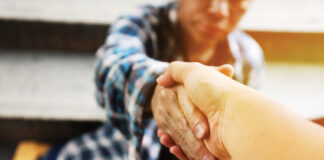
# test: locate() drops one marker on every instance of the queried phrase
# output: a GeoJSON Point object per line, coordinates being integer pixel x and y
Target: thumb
{"type": "Point", "coordinates": [226, 69]}
{"type": "Point", "coordinates": [196, 119]}
{"type": "Point", "coordinates": [175, 73]}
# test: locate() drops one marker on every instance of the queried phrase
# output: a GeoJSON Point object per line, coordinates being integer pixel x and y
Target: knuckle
{"type": "Point", "coordinates": [196, 65]}
{"type": "Point", "coordinates": [167, 95]}
{"type": "Point", "coordinates": [164, 93]}
{"type": "Point", "coordinates": [160, 121]}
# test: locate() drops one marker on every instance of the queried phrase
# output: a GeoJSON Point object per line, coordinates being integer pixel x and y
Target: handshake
{"type": "Point", "coordinates": [203, 114]}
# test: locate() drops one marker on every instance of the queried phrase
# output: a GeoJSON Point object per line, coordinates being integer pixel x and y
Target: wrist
{"type": "Point", "coordinates": [241, 121]}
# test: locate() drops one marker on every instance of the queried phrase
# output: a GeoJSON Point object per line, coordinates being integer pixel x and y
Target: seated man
{"type": "Point", "coordinates": [244, 124]}
{"type": "Point", "coordinates": [136, 52]}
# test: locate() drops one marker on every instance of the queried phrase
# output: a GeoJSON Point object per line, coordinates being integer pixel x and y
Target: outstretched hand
{"type": "Point", "coordinates": [189, 109]}
{"type": "Point", "coordinates": [178, 71]}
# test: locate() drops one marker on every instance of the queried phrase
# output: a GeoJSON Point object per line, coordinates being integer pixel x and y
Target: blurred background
{"type": "Point", "coordinates": [47, 62]}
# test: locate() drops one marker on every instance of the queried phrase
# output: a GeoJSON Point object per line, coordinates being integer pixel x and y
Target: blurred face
{"type": "Point", "coordinates": [210, 19]}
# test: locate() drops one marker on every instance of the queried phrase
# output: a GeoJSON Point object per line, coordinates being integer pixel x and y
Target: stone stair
{"type": "Point", "coordinates": [47, 62]}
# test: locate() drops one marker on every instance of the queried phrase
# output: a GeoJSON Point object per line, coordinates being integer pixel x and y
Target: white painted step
{"type": "Point", "coordinates": [60, 86]}
{"type": "Point", "coordinates": [48, 85]}
{"type": "Point", "coordinates": [264, 15]}
{"type": "Point", "coordinates": [297, 86]}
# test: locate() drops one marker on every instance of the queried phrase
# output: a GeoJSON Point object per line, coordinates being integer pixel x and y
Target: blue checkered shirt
{"type": "Point", "coordinates": [137, 49]}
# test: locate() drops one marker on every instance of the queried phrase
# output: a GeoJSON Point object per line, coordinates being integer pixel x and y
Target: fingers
{"type": "Point", "coordinates": [196, 119]}
{"type": "Point", "coordinates": [176, 150]}
{"type": "Point", "coordinates": [165, 79]}
{"type": "Point", "coordinates": [208, 157]}
{"type": "Point", "coordinates": [159, 132]}
{"type": "Point", "coordinates": [175, 73]}
{"type": "Point", "coordinates": [227, 69]}
{"type": "Point", "coordinates": [167, 141]}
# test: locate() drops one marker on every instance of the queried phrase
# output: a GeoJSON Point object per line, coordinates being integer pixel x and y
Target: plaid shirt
{"type": "Point", "coordinates": [136, 51]}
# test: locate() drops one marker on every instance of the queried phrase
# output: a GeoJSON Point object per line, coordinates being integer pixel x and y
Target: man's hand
{"type": "Point", "coordinates": [171, 119]}
{"type": "Point", "coordinates": [206, 89]}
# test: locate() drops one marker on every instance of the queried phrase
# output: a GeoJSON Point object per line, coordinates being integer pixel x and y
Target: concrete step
{"type": "Point", "coordinates": [80, 25]}
{"type": "Point", "coordinates": [48, 85]}
{"type": "Point", "coordinates": [59, 86]}
{"type": "Point", "coordinates": [264, 15]}
{"type": "Point", "coordinates": [298, 86]}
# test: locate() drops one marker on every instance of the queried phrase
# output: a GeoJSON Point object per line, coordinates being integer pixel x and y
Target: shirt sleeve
{"type": "Point", "coordinates": [125, 74]}
{"type": "Point", "coordinates": [249, 67]}
{"type": "Point", "coordinates": [254, 63]}
{"type": "Point", "coordinates": [256, 74]}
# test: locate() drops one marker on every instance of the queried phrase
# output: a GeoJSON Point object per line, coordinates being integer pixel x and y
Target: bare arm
{"type": "Point", "coordinates": [256, 127]}
{"type": "Point", "coordinates": [182, 124]}
{"type": "Point", "coordinates": [170, 118]}
{"type": "Point", "coordinates": [246, 123]}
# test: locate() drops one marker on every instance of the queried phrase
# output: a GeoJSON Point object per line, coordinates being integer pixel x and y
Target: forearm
{"type": "Point", "coordinates": [125, 76]}
{"type": "Point", "coordinates": [243, 121]}
{"type": "Point", "coordinates": [256, 127]}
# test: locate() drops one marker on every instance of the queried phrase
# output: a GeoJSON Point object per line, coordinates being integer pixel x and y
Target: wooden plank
{"type": "Point", "coordinates": [51, 131]}
{"type": "Point", "coordinates": [277, 46]}
{"type": "Point", "coordinates": [291, 47]}
{"type": "Point", "coordinates": [22, 35]}
{"type": "Point", "coordinates": [264, 15]}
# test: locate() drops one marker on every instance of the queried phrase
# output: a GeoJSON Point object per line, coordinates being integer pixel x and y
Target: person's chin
{"type": "Point", "coordinates": [213, 33]}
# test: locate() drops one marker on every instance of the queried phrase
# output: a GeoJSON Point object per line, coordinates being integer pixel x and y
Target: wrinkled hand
{"type": "Point", "coordinates": [206, 93]}
{"type": "Point", "coordinates": [172, 120]}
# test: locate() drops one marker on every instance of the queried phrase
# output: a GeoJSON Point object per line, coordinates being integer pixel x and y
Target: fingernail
{"type": "Point", "coordinates": [208, 157]}
{"type": "Point", "coordinates": [200, 128]}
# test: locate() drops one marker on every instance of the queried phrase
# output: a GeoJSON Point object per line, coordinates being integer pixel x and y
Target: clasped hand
{"type": "Point", "coordinates": [181, 123]}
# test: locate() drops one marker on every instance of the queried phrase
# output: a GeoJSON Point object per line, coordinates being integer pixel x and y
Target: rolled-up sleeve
{"type": "Point", "coordinates": [125, 74]}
